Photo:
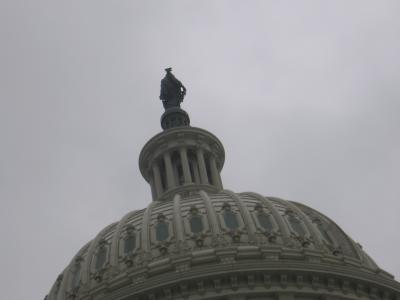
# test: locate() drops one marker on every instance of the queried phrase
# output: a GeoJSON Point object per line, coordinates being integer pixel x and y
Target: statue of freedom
{"type": "Point", "coordinates": [172, 90]}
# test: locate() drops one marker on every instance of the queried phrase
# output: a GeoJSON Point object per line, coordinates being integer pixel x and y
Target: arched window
{"type": "Point", "coordinates": [101, 255]}
{"type": "Point", "coordinates": [161, 232]}
{"type": "Point", "coordinates": [230, 217]}
{"type": "Point", "coordinates": [130, 240]}
{"type": "Point", "coordinates": [265, 221]}
{"type": "Point", "coordinates": [296, 226]}
{"type": "Point", "coordinates": [196, 224]}
{"type": "Point", "coordinates": [231, 220]}
{"type": "Point", "coordinates": [130, 244]}
{"type": "Point", "coordinates": [162, 229]}
{"type": "Point", "coordinates": [322, 229]}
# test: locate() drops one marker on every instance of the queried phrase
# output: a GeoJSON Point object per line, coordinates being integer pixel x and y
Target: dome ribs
{"type": "Point", "coordinates": [116, 239]}
{"type": "Point", "coordinates": [283, 228]}
{"type": "Point", "coordinates": [343, 242]}
{"type": "Point", "coordinates": [177, 218]}
{"type": "Point", "coordinates": [279, 265]}
{"type": "Point", "coordinates": [145, 235]}
{"type": "Point", "coordinates": [317, 238]}
{"type": "Point", "coordinates": [249, 224]}
{"type": "Point", "coordinates": [211, 215]}
{"type": "Point", "coordinates": [87, 267]}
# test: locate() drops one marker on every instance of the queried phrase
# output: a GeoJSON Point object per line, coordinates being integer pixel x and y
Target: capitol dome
{"type": "Point", "coordinates": [197, 240]}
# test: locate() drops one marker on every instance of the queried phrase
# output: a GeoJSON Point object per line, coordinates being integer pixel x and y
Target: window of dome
{"type": "Point", "coordinates": [325, 234]}
{"type": "Point", "coordinates": [265, 221]}
{"type": "Point", "coordinates": [196, 224]}
{"type": "Point", "coordinates": [230, 220]}
{"type": "Point", "coordinates": [162, 231]}
{"type": "Point", "coordinates": [130, 243]}
{"type": "Point", "coordinates": [344, 242]}
{"type": "Point", "coordinates": [296, 226]}
{"type": "Point", "coordinates": [101, 257]}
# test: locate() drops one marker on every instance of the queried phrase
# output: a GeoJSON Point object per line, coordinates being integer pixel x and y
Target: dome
{"type": "Point", "coordinates": [197, 240]}
{"type": "Point", "coordinates": [200, 243]}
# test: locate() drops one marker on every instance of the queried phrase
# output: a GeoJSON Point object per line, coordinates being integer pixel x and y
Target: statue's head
{"type": "Point", "coordinates": [168, 70]}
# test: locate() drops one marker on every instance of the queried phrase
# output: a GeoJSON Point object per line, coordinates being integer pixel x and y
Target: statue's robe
{"type": "Point", "coordinates": [171, 91]}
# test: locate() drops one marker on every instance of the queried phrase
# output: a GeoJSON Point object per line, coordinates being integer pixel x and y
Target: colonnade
{"type": "Point", "coordinates": [183, 166]}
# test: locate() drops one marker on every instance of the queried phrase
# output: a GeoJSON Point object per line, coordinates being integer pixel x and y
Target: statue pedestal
{"type": "Point", "coordinates": [174, 117]}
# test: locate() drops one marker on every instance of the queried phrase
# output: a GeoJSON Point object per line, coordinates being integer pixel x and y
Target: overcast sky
{"type": "Point", "coordinates": [304, 96]}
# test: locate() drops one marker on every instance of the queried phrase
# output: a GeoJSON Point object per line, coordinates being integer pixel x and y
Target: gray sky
{"type": "Point", "coordinates": [303, 94]}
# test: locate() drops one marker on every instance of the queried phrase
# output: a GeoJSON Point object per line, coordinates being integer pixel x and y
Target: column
{"type": "Point", "coordinates": [196, 173]}
{"type": "Point", "coordinates": [153, 188]}
{"type": "Point", "coordinates": [185, 166]}
{"type": "Point", "coordinates": [216, 178]}
{"type": "Point", "coordinates": [202, 166]}
{"type": "Point", "coordinates": [157, 179]}
{"type": "Point", "coordinates": [169, 171]}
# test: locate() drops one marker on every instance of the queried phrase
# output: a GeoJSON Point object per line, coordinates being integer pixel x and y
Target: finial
{"type": "Point", "coordinates": [172, 94]}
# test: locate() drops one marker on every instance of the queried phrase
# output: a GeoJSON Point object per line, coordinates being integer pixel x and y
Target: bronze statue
{"type": "Point", "coordinates": [172, 90]}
